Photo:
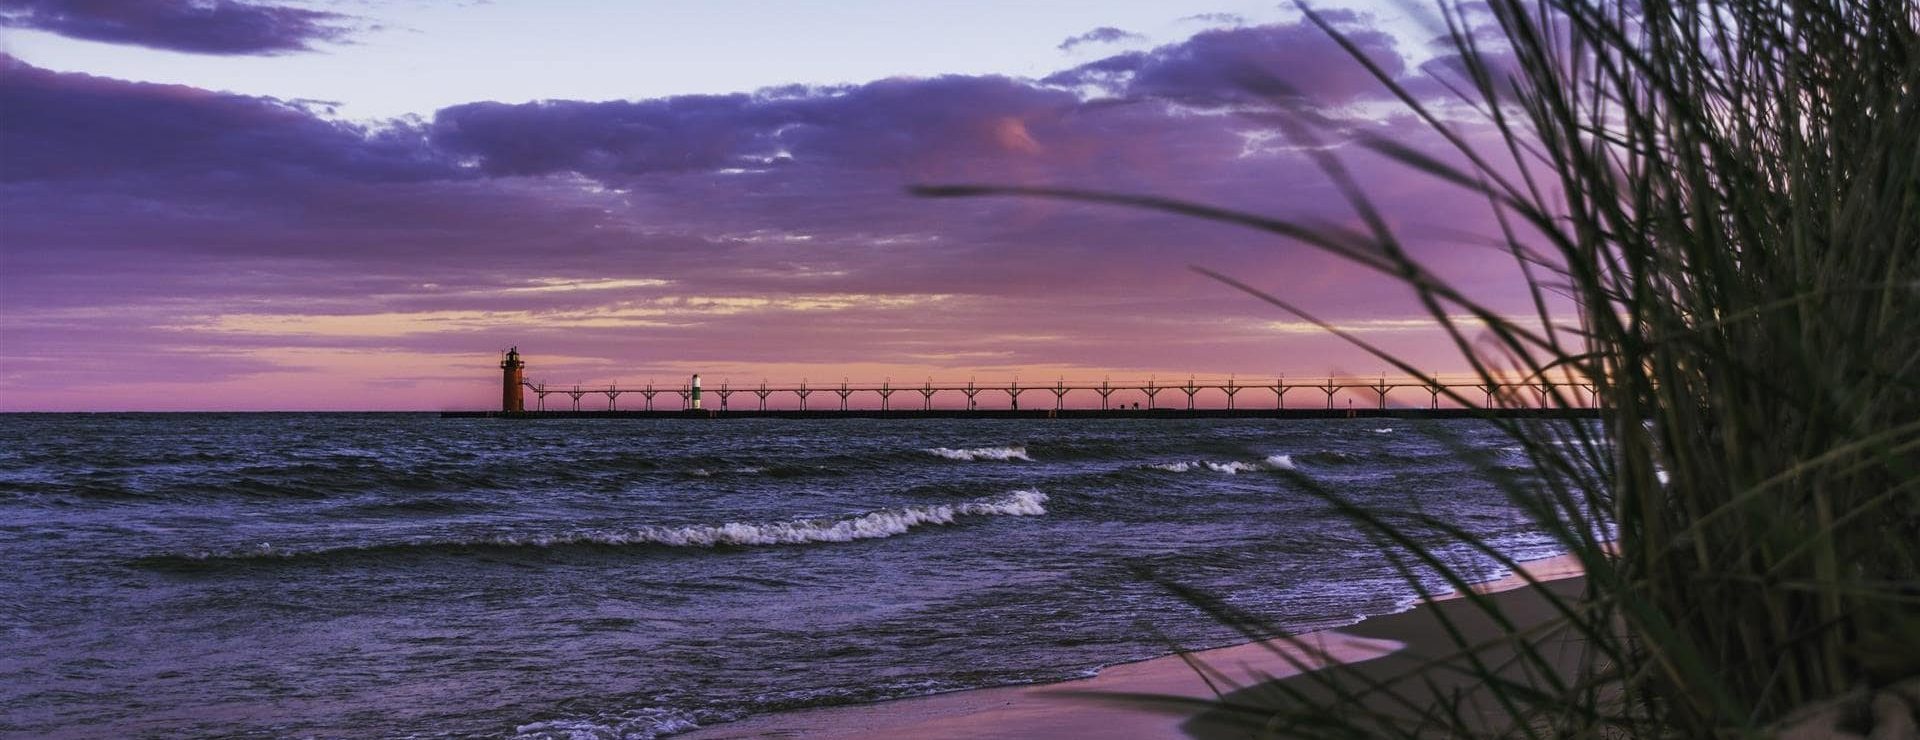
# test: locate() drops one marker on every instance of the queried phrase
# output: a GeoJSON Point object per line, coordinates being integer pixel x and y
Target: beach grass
{"type": "Point", "coordinates": [1717, 208]}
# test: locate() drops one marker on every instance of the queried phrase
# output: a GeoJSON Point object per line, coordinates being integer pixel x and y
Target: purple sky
{"type": "Point", "coordinates": [174, 246]}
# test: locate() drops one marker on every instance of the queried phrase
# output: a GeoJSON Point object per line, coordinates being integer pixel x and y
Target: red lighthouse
{"type": "Point", "coordinates": [512, 397]}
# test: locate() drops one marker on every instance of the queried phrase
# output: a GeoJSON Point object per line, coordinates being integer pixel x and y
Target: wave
{"type": "Point", "coordinates": [1330, 457]}
{"type": "Point", "coordinates": [625, 461]}
{"type": "Point", "coordinates": [981, 453]}
{"type": "Point", "coordinates": [870, 525]}
{"type": "Point", "coordinates": [644, 724]}
{"type": "Point", "coordinates": [649, 722]}
{"type": "Point", "coordinates": [1271, 462]}
{"type": "Point", "coordinates": [422, 505]}
{"type": "Point", "coordinates": [1075, 449]}
{"type": "Point", "coordinates": [769, 471]}
{"type": "Point", "coordinates": [707, 473]}
{"type": "Point", "coordinates": [293, 482]}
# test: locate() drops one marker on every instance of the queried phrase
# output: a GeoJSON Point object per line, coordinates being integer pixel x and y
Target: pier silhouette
{"type": "Point", "coordinates": [1385, 395]}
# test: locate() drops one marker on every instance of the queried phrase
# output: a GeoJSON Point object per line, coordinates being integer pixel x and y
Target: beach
{"type": "Point", "coordinates": [1380, 648]}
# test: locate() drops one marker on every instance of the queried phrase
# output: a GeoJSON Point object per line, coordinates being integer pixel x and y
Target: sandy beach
{"type": "Point", "coordinates": [1378, 648]}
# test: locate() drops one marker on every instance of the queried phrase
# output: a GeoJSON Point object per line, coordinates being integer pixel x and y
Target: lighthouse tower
{"type": "Point", "coordinates": [512, 374]}
{"type": "Point", "coordinates": [695, 400]}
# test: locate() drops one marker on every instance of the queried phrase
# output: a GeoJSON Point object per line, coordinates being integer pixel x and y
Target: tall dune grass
{"type": "Point", "coordinates": [1727, 194]}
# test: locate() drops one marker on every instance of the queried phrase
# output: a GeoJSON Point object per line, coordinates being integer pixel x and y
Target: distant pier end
{"type": "Point", "coordinates": [513, 395]}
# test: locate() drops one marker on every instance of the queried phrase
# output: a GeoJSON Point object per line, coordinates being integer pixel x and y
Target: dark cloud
{"type": "Point", "coordinates": [1101, 35]}
{"type": "Point", "coordinates": [1247, 65]}
{"type": "Point", "coordinates": [692, 133]}
{"type": "Point", "coordinates": [900, 124]}
{"type": "Point", "coordinates": [61, 126]}
{"type": "Point", "coordinates": [226, 27]}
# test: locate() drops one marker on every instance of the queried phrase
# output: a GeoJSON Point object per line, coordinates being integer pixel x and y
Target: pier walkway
{"type": "Point", "coordinates": [1193, 395]}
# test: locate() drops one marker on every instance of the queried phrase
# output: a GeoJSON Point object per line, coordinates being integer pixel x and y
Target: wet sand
{"type": "Point", "coordinates": [1378, 649]}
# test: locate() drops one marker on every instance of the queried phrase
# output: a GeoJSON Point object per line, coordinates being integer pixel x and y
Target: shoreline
{"type": "Point", "coordinates": [1068, 709]}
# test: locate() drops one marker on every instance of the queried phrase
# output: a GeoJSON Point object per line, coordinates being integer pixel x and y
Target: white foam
{"type": "Point", "coordinates": [645, 724]}
{"type": "Point", "coordinates": [1272, 462]}
{"type": "Point", "coordinates": [1383, 430]}
{"type": "Point", "coordinates": [981, 453]}
{"type": "Point", "coordinates": [871, 525]}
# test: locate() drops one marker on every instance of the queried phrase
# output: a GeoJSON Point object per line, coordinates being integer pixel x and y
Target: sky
{"type": "Point", "coordinates": [269, 204]}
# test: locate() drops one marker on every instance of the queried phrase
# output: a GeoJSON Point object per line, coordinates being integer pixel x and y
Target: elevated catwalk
{"type": "Point", "coordinates": [1530, 397]}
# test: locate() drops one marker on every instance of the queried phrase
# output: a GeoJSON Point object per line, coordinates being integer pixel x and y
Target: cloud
{"type": "Point", "coordinates": [221, 27]}
{"type": "Point", "coordinates": [1371, 326]}
{"type": "Point", "coordinates": [1101, 35]}
{"type": "Point", "coordinates": [899, 124]}
{"type": "Point", "coordinates": [1248, 65]}
{"type": "Point", "coordinates": [67, 126]}
{"type": "Point", "coordinates": [1216, 19]}
{"type": "Point", "coordinates": [656, 312]}
{"type": "Point", "coordinates": [764, 232]}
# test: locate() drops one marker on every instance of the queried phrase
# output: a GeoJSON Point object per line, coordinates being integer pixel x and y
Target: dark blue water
{"type": "Point", "coordinates": [404, 574]}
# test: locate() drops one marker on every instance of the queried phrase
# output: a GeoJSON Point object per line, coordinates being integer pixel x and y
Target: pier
{"type": "Point", "coordinates": [1316, 397]}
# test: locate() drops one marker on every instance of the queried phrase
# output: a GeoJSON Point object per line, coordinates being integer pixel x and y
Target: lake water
{"type": "Point", "coordinates": [393, 574]}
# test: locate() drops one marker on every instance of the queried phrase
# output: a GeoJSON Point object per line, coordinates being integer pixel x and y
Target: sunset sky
{"type": "Point", "coordinates": [358, 204]}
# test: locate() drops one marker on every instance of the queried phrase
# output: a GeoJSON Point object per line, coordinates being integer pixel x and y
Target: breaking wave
{"type": "Point", "coordinates": [647, 723]}
{"type": "Point", "coordinates": [1272, 462]}
{"type": "Point", "coordinates": [871, 525]}
{"type": "Point", "coordinates": [981, 453]}
{"type": "Point", "coordinates": [644, 724]}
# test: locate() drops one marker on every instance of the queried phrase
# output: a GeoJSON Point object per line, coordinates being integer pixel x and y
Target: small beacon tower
{"type": "Point", "coordinates": [693, 402]}
{"type": "Point", "coordinates": [512, 373]}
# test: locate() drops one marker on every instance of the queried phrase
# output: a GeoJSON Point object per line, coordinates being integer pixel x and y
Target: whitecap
{"type": "Point", "coordinates": [981, 453]}
{"type": "Point", "coordinates": [1236, 467]}
{"type": "Point", "coordinates": [645, 724]}
{"type": "Point", "coordinates": [870, 525]}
